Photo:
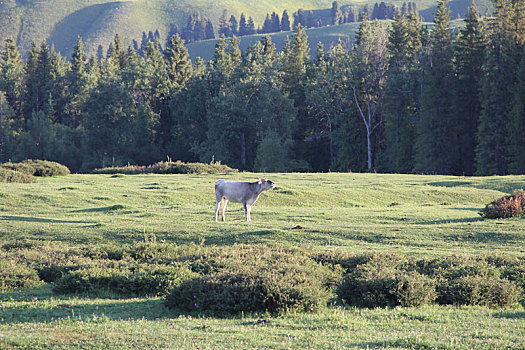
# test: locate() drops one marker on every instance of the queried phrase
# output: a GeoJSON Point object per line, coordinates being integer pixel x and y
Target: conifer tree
{"type": "Point", "coordinates": [234, 26]}
{"type": "Point", "coordinates": [335, 13]}
{"type": "Point", "coordinates": [242, 25]}
{"type": "Point", "coordinates": [11, 75]}
{"type": "Point", "coordinates": [516, 127]}
{"type": "Point", "coordinates": [178, 64]}
{"type": "Point", "coordinates": [209, 32]}
{"type": "Point", "coordinates": [470, 53]}
{"type": "Point", "coordinates": [285, 21]}
{"type": "Point", "coordinates": [506, 40]}
{"type": "Point", "coordinates": [437, 140]}
{"type": "Point", "coordinates": [401, 94]}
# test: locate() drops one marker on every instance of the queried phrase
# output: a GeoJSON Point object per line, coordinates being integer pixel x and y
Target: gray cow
{"type": "Point", "coordinates": [240, 192]}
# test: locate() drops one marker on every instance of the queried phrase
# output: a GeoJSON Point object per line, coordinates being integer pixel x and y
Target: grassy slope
{"type": "Point", "coordinates": [97, 21]}
{"type": "Point", "coordinates": [420, 215]}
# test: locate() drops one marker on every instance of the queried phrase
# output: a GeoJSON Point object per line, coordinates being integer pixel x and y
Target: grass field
{"type": "Point", "coordinates": [422, 216]}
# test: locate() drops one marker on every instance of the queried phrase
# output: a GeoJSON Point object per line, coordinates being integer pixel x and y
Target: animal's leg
{"type": "Point", "coordinates": [248, 212]}
{"type": "Point", "coordinates": [224, 202]}
{"type": "Point", "coordinates": [217, 205]}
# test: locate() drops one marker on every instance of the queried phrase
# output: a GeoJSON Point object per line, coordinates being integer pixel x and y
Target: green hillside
{"type": "Point", "coordinates": [97, 21]}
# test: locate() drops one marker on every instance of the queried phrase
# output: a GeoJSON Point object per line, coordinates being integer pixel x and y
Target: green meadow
{"type": "Point", "coordinates": [414, 215]}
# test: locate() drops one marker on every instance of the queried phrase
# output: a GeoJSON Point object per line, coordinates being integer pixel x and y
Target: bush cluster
{"type": "Point", "coordinates": [169, 167]}
{"type": "Point", "coordinates": [10, 175]}
{"type": "Point", "coordinates": [38, 167]}
{"type": "Point", "coordinates": [123, 280]}
{"type": "Point", "coordinates": [254, 278]}
{"type": "Point", "coordinates": [260, 278]}
{"type": "Point", "coordinates": [506, 206]}
{"type": "Point", "coordinates": [17, 276]}
{"type": "Point", "coordinates": [379, 281]}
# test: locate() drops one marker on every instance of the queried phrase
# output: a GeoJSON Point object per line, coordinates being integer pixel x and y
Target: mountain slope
{"type": "Point", "coordinates": [97, 21]}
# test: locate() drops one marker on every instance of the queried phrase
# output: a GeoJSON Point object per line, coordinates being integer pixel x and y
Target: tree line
{"type": "Point", "coordinates": [200, 28]}
{"type": "Point", "coordinates": [402, 98]}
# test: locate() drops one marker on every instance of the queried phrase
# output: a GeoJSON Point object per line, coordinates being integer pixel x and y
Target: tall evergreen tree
{"type": "Point", "coordinates": [336, 14]}
{"type": "Point", "coordinates": [516, 126]}
{"type": "Point", "coordinates": [11, 75]}
{"type": "Point", "coordinates": [242, 25]}
{"type": "Point", "coordinates": [400, 109]}
{"type": "Point", "coordinates": [234, 25]}
{"type": "Point", "coordinates": [470, 53]}
{"type": "Point", "coordinates": [437, 140]}
{"type": "Point", "coordinates": [285, 21]}
{"type": "Point", "coordinates": [506, 41]}
{"type": "Point", "coordinates": [209, 32]}
{"type": "Point", "coordinates": [178, 64]}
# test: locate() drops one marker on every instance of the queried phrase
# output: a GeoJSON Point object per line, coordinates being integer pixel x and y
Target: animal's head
{"type": "Point", "coordinates": [266, 184]}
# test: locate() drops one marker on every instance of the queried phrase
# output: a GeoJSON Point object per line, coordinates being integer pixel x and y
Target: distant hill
{"type": "Point", "coordinates": [326, 35]}
{"type": "Point", "coordinates": [97, 21]}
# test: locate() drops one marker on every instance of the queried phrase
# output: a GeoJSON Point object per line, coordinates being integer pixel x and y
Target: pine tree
{"type": "Point", "coordinates": [470, 53]}
{"type": "Point", "coordinates": [209, 32]}
{"type": "Point", "coordinates": [285, 21]}
{"type": "Point", "coordinates": [516, 126]}
{"type": "Point", "coordinates": [335, 13]}
{"type": "Point", "coordinates": [178, 64]}
{"type": "Point", "coordinates": [242, 25]}
{"type": "Point", "coordinates": [11, 75]}
{"type": "Point", "coordinates": [200, 32]}
{"type": "Point", "coordinates": [267, 26]}
{"type": "Point", "coordinates": [400, 109]}
{"type": "Point", "coordinates": [234, 27]}
{"type": "Point", "coordinates": [276, 23]}
{"type": "Point", "coordinates": [250, 27]}
{"type": "Point", "coordinates": [504, 52]}
{"type": "Point", "coordinates": [437, 140]}
{"type": "Point", "coordinates": [224, 25]}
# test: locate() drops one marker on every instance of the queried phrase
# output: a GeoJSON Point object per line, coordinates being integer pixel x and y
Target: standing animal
{"type": "Point", "coordinates": [240, 192]}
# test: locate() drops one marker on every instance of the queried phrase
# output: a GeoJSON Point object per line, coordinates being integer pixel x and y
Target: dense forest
{"type": "Point", "coordinates": [403, 98]}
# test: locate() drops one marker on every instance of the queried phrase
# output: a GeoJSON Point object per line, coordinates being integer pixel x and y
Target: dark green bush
{"type": "Point", "coordinates": [142, 280]}
{"type": "Point", "coordinates": [248, 291]}
{"type": "Point", "coordinates": [17, 276]}
{"type": "Point", "coordinates": [38, 167]}
{"type": "Point", "coordinates": [269, 278]}
{"type": "Point", "coordinates": [506, 206]}
{"type": "Point", "coordinates": [372, 286]}
{"type": "Point", "coordinates": [10, 176]}
{"type": "Point", "coordinates": [478, 290]}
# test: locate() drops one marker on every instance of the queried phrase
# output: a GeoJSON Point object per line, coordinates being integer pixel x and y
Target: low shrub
{"type": "Point", "coordinates": [10, 176]}
{"type": "Point", "coordinates": [38, 167]}
{"type": "Point", "coordinates": [265, 278]}
{"type": "Point", "coordinates": [131, 281]}
{"type": "Point", "coordinates": [478, 290]}
{"type": "Point", "coordinates": [17, 276]}
{"type": "Point", "coordinates": [380, 286]}
{"type": "Point", "coordinates": [380, 280]}
{"type": "Point", "coordinates": [169, 167]}
{"type": "Point", "coordinates": [264, 290]}
{"type": "Point", "coordinates": [506, 206]}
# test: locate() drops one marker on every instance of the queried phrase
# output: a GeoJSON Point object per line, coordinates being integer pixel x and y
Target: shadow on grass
{"type": "Point", "coordinates": [510, 314]}
{"type": "Point", "coordinates": [42, 220]}
{"type": "Point", "coordinates": [102, 209]}
{"type": "Point", "coordinates": [450, 221]}
{"type": "Point", "coordinates": [88, 309]}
